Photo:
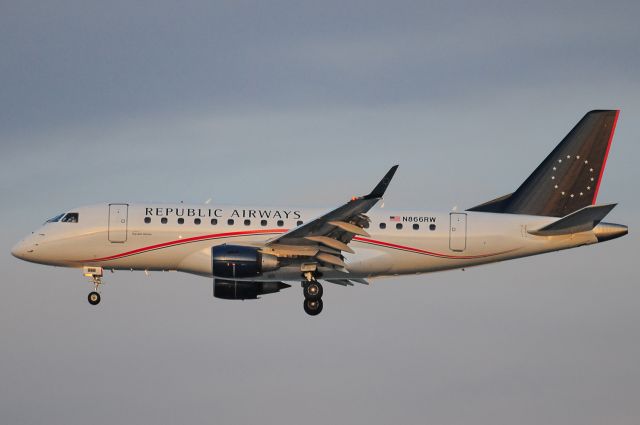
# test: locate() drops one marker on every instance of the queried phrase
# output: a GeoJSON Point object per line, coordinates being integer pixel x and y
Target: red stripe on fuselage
{"type": "Point", "coordinates": [277, 231]}
{"type": "Point", "coordinates": [424, 252]}
{"type": "Point", "coordinates": [185, 241]}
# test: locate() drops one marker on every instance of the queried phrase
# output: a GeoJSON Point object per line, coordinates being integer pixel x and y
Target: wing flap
{"type": "Point", "coordinates": [351, 228]}
{"type": "Point", "coordinates": [342, 282]}
{"type": "Point", "coordinates": [347, 282]}
{"type": "Point", "coordinates": [330, 259]}
{"type": "Point", "coordinates": [331, 243]}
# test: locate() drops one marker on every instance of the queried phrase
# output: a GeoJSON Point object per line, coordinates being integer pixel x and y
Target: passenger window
{"type": "Point", "coordinates": [416, 226]}
{"type": "Point", "coordinates": [214, 221]}
{"type": "Point", "coordinates": [399, 226]}
{"type": "Point", "coordinates": [163, 220]}
{"type": "Point", "coordinates": [147, 220]}
{"type": "Point", "coordinates": [70, 218]}
{"type": "Point", "coordinates": [247, 222]}
{"type": "Point", "coordinates": [432, 227]}
{"type": "Point", "coordinates": [263, 223]}
{"type": "Point", "coordinates": [280, 223]}
{"type": "Point", "coordinates": [383, 225]}
{"type": "Point", "coordinates": [197, 221]}
{"type": "Point", "coordinates": [300, 222]}
{"type": "Point", "coordinates": [230, 222]}
{"type": "Point", "coordinates": [365, 225]}
{"type": "Point", "coordinates": [181, 220]}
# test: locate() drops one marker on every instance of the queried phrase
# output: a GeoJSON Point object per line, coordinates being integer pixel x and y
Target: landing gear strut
{"type": "Point", "coordinates": [312, 291]}
{"type": "Point", "coordinates": [95, 274]}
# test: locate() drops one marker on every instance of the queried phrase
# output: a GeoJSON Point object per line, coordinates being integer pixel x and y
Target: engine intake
{"type": "Point", "coordinates": [235, 261]}
{"type": "Point", "coordinates": [243, 290]}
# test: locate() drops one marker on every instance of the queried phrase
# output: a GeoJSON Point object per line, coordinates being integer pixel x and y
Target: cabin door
{"type": "Point", "coordinates": [457, 231]}
{"type": "Point", "coordinates": [118, 218]}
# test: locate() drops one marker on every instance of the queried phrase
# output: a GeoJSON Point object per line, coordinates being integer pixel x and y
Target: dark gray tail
{"type": "Point", "coordinates": [569, 178]}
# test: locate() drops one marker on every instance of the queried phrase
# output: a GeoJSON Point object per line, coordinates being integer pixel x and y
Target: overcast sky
{"type": "Point", "coordinates": [309, 103]}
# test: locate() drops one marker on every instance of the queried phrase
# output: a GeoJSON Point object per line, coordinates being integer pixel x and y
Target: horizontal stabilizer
{"type": "Point", "coordinates": [580, 221]}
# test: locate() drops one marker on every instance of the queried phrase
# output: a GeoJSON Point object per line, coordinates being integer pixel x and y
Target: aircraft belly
{"type": "Point", "coordinates": [369, 262]}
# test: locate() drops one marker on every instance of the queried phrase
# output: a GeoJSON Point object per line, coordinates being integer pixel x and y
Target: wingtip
{"type": "Point", "coordinates": [381, 187]}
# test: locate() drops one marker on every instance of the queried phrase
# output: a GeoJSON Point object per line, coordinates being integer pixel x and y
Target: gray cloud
{"type": "Point", "coordinates": [77, 62]}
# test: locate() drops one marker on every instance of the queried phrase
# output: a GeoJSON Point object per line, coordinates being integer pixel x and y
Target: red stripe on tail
{"type": "Point", "coordinates": [604, 163]}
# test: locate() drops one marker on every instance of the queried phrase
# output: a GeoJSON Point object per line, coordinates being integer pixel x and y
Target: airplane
{"type": "Point", "coordinates": [253, 251]}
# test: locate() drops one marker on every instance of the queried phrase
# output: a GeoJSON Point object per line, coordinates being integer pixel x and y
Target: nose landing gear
{"type": "Point", "coordinates": [95, 274]}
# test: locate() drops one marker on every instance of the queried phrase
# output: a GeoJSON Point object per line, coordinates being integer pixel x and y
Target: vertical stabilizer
{"type": "Point", "coordinates": [569, 178]}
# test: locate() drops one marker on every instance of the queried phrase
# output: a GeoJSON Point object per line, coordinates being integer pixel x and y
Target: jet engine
{"type": "Point", "coordinates": [235, 261]}
{"type": "Point", "coordinates": [243, 290]}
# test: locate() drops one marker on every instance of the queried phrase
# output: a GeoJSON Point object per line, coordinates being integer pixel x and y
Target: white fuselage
{"type": "Point", "coordinates": [180, 237]}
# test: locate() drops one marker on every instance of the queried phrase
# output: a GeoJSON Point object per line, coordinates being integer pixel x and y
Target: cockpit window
{"type": "Point", "coordinates": [55, 219]}
{"type": "Point", "coordinates": [71, 217]}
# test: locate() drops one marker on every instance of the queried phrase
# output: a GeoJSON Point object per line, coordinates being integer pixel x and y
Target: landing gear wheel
{"type": "Point", "coordinates": [94, 298]}
{"type": "Point", "coordinates": [312, 307]}
{"type": "Point", "coordinates": [312, 291]}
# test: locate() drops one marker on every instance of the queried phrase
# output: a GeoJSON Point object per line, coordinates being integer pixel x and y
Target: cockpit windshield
{"type": "Point", "coordinates": [55, 219]}
{"type": "Point", "coordinates": [71, 217]}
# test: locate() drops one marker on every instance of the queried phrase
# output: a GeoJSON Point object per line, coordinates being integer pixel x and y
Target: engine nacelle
{"type": "Point", "coordinates": [243, 290]}
{"type": "Point", "coordinates": [235, 261]}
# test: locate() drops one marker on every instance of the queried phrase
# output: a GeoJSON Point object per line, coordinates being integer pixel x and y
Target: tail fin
{"type": "Point", "coordinates": [569, 178]}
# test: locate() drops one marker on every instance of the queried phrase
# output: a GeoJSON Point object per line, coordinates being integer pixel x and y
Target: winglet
{"type": "Point", "coordinates": [379, 190]}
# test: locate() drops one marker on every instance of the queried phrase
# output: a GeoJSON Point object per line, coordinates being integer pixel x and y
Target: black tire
{"type": "Point", "coordinates": [94, 298]}
{"type": "Point", "coordinates": [312, 291]}
{"type": "Point", "coordinates": [312, 307]}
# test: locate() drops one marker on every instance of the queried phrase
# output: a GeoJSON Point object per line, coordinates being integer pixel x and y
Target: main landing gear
{"type": "Point", "coordinates": [94, 298]}
{"type": "Point", "coordinates": [312, 291]}
{"type": "Point", "coordinates": [95, 274]}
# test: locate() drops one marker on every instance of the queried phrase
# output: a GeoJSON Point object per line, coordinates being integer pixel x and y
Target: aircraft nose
{"type": "Point", "coordinates": [19, 250]}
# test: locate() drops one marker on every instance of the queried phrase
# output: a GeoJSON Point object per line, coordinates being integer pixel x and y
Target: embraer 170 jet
{"type": "Point", "coordinates": [252, 251]}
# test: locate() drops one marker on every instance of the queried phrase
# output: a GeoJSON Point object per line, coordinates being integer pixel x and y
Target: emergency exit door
{"type": "Point", "coordinates": [457, 231]}
{"type": "Point", "coordinates": [118, 218]}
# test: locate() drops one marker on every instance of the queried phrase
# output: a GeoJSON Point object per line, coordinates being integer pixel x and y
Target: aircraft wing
{"type": "Point", "coordinates": [326, 237]}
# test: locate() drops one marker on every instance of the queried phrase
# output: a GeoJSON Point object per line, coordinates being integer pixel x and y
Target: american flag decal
{"type": "Point", "coordinates": [394, 218]}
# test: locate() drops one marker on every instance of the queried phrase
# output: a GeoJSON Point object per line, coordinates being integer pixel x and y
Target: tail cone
{"type": "Point", "coordinates": [608, 231]}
